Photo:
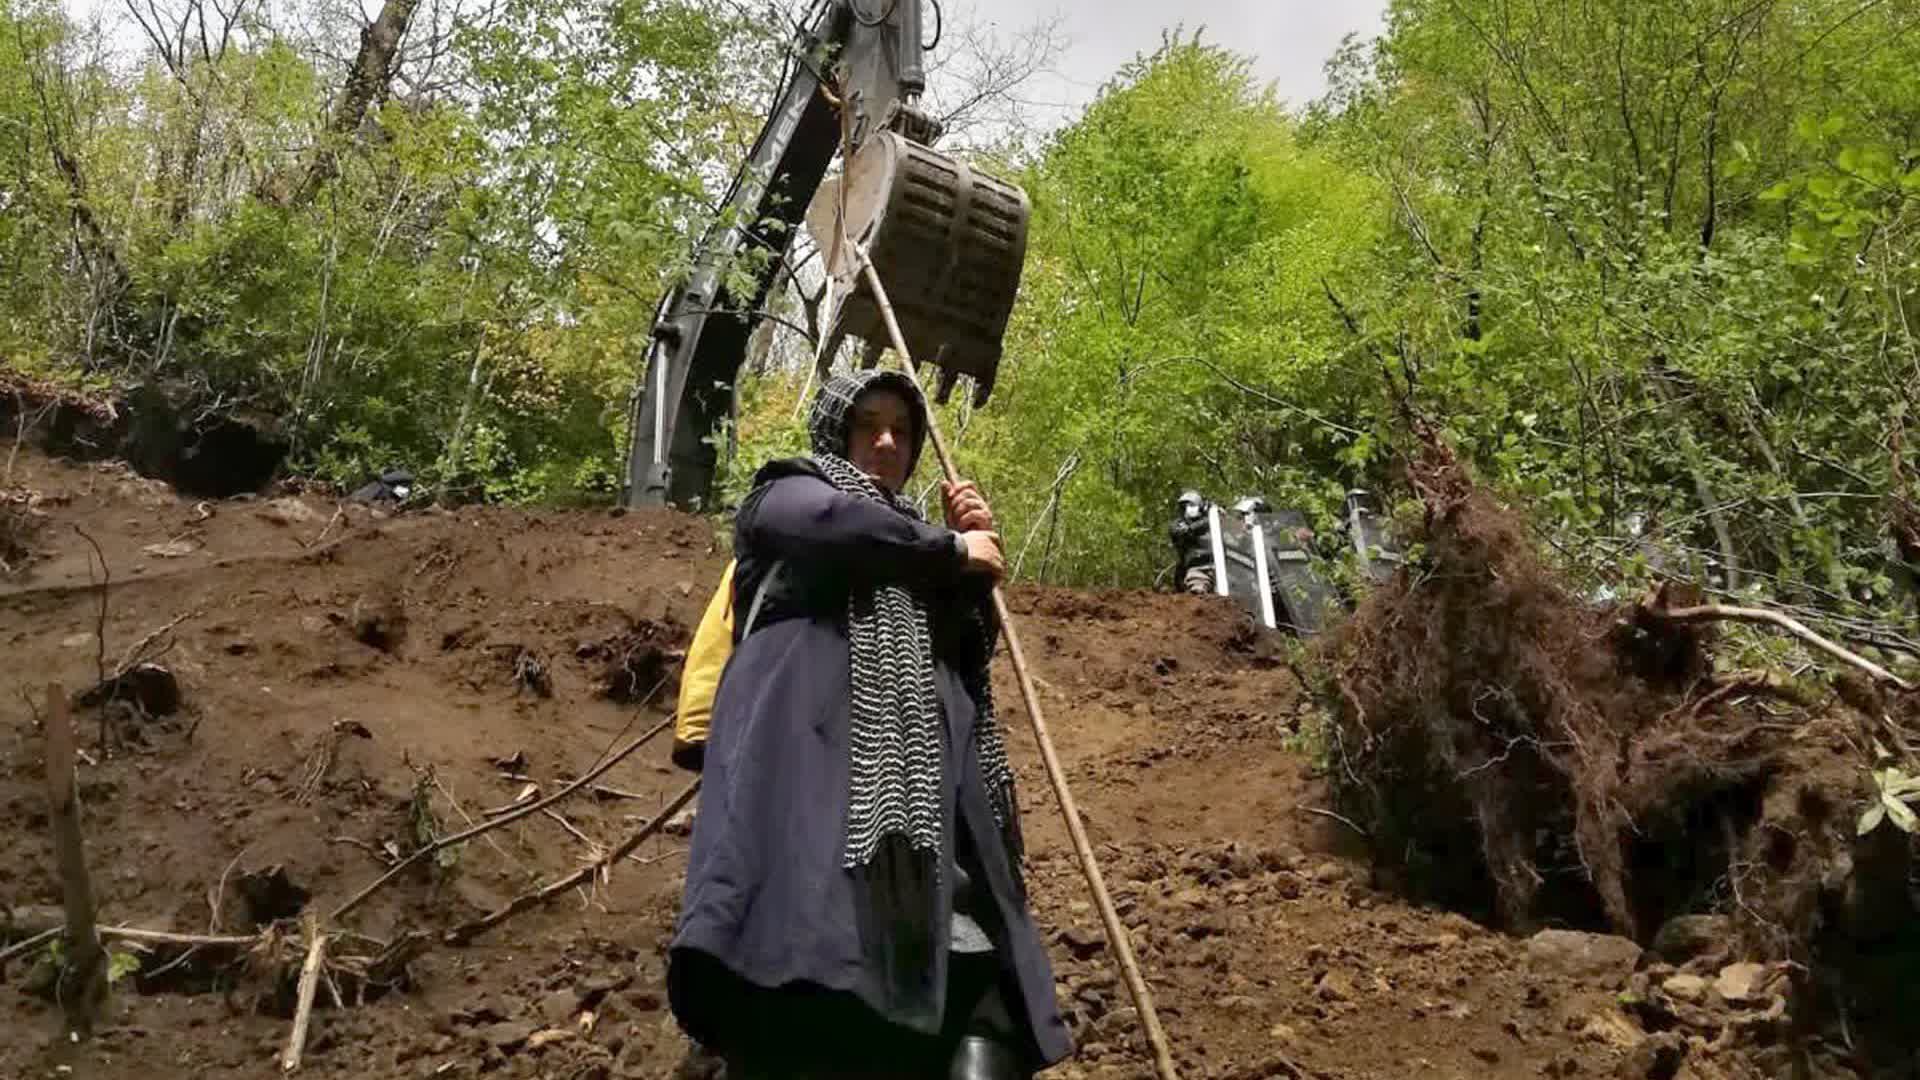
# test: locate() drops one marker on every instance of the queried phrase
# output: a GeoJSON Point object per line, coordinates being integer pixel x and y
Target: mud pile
{"type": "Point", "coordinates": [353, 686]}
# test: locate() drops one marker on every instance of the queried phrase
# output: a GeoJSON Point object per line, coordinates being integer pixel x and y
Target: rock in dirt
{"type": "Point", "coordinates": [172, 549]}
{"type": "Point", "coordinates": [1658, 1057]}
{"type": "Point", "coordinates": [478, 1015]}
{"type": "Point", "coordinates": [558, 1007]}
{"type": "Point", "coordinates": [510, 1035]}
{"type": "Point", "coordinates": [1083, 944]}
{"type": "Point", "coordinates": [1115, 1027]}
{"type": "Point", "coordinates": [1597, 958]}
{"type": "Point", "coordinates": [1612, 1028]}
{"type": "Point", "coordinates": [1205, 926]}
{"type": "Point", "coordinates": [1691, 989]}
{"type": "Point", "coordinates": [1744, 984]}
{"type": "Point", "coordinates": [288, 512]}
{"type": "Point", "coordinates": [1690, 936]}
{"type": "Point", "coordinates": [1335, 986]}
{"type": "Point", "coordinates": [593, 991]}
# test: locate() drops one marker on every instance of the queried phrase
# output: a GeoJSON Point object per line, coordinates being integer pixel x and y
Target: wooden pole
{"type": "Point", "coordinates": [83, 983]}
{"type": "Point", "coordinates": [1117, 937]}
{"type": "Point", "coordinates": [309, 985]}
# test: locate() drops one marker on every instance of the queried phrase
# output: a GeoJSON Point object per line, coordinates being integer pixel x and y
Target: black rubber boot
{"type": "Point", "coordinates": [978, 1058]}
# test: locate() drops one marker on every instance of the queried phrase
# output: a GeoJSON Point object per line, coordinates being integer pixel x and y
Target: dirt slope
{"type": "Point", "coordinates": [429, 638]}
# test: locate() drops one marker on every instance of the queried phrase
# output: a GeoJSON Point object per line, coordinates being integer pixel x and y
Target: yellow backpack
{"type": "Point", "coordinates": [706, 661]}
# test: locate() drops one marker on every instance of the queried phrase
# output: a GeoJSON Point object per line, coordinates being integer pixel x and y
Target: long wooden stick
{"type": "Point", "coordinates": [303, 1009]}
{"type": "Point", "coordinates": [1723, 613]}
{"type": "Point", "coordinates": [505, 819]}
{"type": "Point", "coordinates": [133, 934]}
{"type": "Point", "coordinates": [1117, 937]}
{"type": "Point", "coordinates": [27, 945]}
{"type": "Point", "coordinates": [460, 935]}
{"type": "Point", "coordinates": [84, 982]}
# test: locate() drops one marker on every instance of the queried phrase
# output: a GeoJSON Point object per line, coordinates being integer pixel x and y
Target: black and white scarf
{"type": "Point", "coordinates": [895, 736]}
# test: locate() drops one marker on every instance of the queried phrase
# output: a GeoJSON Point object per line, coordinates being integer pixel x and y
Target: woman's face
{"type": "Point", "coordinates": [880, 438]}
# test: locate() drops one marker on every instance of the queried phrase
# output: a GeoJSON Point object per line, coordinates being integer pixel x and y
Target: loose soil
{"type": "Point", "coordinates": [353, 683]}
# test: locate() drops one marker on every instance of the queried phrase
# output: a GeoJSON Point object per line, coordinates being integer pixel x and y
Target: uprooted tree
{"type": "Point", "coordinates": [1517, 751]}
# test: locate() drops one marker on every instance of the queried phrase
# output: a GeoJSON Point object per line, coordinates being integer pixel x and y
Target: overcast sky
{"type": "Point", "coordinates": [1290, 40]}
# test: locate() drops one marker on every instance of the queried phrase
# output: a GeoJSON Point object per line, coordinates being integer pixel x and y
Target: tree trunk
{"type": "Point", "coordinates": [368, 81]}
{"type": "Point", "coordinates": [84, 976]}
{"type": "Point", "coordinates": [456, 446]}
{"type": "Point", "coordinates": [1697, 472]}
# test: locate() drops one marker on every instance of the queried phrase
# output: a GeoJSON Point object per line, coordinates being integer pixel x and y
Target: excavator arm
{"type": "Point", "coordinates": [871, 50]}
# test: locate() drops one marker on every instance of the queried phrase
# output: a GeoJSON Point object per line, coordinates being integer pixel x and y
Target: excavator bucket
{"type": "Point", "coordinates": [949, 243]}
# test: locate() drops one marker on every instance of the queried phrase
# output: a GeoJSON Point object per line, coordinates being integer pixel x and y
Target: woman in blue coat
{"type": "Point", "coordinates": [854, 903]}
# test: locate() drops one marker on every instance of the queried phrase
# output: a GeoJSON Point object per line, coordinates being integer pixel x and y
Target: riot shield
{"type": "Point", "coordinates": [1260, 562]}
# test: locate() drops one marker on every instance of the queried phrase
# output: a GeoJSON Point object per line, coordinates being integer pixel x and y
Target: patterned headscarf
{"type": "Point", "coordinates": [830, 424]}
{"type": "Point", "coordinates": [895, 736]}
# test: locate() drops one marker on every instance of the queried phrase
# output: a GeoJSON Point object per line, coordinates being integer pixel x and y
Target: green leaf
{"type": "Point", "coordinates": [1871, 820]}
{"type": "Point", "coordinates": [120, 965]}
{"type": "Point", "coordinates": [1901, 815]}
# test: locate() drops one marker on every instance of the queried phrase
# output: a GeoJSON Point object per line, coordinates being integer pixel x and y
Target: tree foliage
{"type": "Point", "coordinates": [1653, 259]}
{"type": "Point", "coordinates": [1652, 267]}
{"type": "Point", "coordinates": [459, 278]}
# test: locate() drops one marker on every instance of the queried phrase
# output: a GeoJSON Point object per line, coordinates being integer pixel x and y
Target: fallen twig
{"type": "Point", "coordinates": [303, 1011]}
{"type": "Point", "coordinates": [382, 857]}
{"type": "Point", "coordinates": [593, 847]}
{"type": "Point", "coordinates": [216, 897]}
{"type": "Point", "coordinates": [468, 818]}
{"type": "Point", "coordinates": [176, 962]}
{"type": "Point", "coordinates": [339, 511]}
{"type": "Point", "coordinates": [1741, 683]}
{"type": "Point", "coordinates": [100, 627]}
{"type": "Point", "coordinates": [21, 948]}
{"type": "Point", "coordinates": [505, 819]}
{"type": "Point", "coordinates": [652, 859]}
{"type": "Point", "coordinates": [466, 932]}
{"type": "Point", "coordinates": [531, 791]}
{"type": "Point", "coordinates": [137, 655]}
{"type": "Point", "coordinates": [601, 790]}
{"type": "Point", "coordinates": [163, 937]}
{"type": "Point", "coordinates": [1331, 816]}
{"type": "Point", "coordinates": [1761, 616]}
{"type": "Point", "coordinates": [138, 936]}
{"type": "Point", "coordinates": [606, 792]}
